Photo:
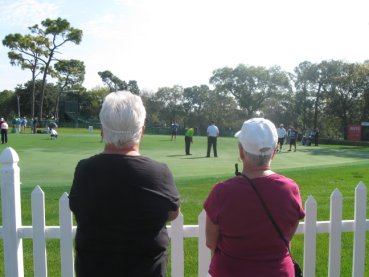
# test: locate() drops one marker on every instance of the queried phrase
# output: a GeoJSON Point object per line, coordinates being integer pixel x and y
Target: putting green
{"type": "Point", "coordinates": [52, 162]}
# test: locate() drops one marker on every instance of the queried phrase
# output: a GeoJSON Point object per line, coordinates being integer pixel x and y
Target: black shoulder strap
{"type": "Point", "coordinates": [267, 211]}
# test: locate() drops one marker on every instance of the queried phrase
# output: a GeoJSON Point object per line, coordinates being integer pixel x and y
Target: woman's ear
{"type": "Point", "coordinates": [275, 151]}
{"type": "Point", "coordinates": [241, 152]}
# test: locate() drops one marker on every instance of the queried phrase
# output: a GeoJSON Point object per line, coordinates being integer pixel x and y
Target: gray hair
{"type": "Point", "coordinates": [259, 160]}
{"type": "Point", "coordinates": [122, 117]}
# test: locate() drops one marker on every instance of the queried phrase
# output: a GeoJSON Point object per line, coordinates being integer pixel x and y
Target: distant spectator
{"type": "Point", "coordinates": [316, 136]}
{"type": "Point", "coordinates": [18, 124]}
{"type": "Point", "coordinates": [293, 138]}
{"type": "Point", "coordinates": [53, 134]}
{"type": "Point", "coordinates": [281, 131]}
{"type": "Point", "coordinates": [4, 131]}
{"type": "Point", "coordinates": [34, 125]}
{"type": "Point", "coordinates": [288, 136]}
{"type": "Point", "coordinates": [23, 124]}
{"type": "Point", "coordinates": [174, 129]}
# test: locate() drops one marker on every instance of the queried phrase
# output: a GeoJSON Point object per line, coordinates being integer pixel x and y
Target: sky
{"type": "Point", "coordinates": [162, 43]}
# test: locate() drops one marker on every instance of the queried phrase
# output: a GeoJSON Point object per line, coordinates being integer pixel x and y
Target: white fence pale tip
{"type": "Point", "coordinates": [64, 197]}
{"type": "Point", "coordinates": [9, 156]}
{"type": "Point", "coordinates": [358, 261]}
{"type": "Point", "coordinates": [360, 188]}
{"type": "Point", "coordinates": [336, 194]}
{"type": "Point", "coordinates": [310, 201]}
{"type": "Point", "coordinates": [335, 230]}
{"type": "Point", "coordinates": [203, 213]}
{"type": "Point", "coordinates": [37, 190]}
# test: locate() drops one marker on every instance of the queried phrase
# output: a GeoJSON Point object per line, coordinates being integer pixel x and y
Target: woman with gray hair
{"type": "Point", "coordinates": [239, 230]}
{"type": "Point", "coordinates": [122, 200]}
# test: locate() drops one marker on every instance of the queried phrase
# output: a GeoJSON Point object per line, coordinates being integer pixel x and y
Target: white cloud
{"type": "Point", "coordinates": [26, 12]}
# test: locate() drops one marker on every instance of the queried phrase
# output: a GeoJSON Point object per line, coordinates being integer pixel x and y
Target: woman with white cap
{"type": "Point", "coordinates": [239, 231]}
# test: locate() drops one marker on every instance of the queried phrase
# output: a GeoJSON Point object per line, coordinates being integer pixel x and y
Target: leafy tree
{"type": "Point", "coordinates": [114, 83]}
{"type": "Point", "coordinates": [223, 110]}
{"type": "Point", "coordinates": [153, 108]}
{"type": "Point", "coordinates": [308, 89]}
{"type": "Point", "coordinates": [133, 87]}
{"type": "Point", "coordinates": [51, 93]}
{"type": "Point", "coordinates": [70, 74]}
{"type": "Point", "coordinates": [171, 101]}
{"type": "Point", "coordinates": [7, 104]}
{"type": "Point", "coordinates": [251, 86]}
{"type": "Point", "coordinates": [363, 80]}
{"type": "Point", "coordinates": [347, 84]}
{"type": "Point", "coordinates": [195, 98]}
{"type": "Point", "coordinates": [194, 102]}
{"type": "Point", "coordinates": [57, 32]}
{"type": "Point", "coordinates": [26, 52]}
{"type": "Point", "coordinates": [91, 101]}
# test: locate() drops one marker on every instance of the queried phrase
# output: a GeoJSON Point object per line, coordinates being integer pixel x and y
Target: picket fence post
{"type": "Point", "coordinates": [310, 237]}
{"type": "Point", "coordinates": [358, 262]}
{"type": "Point", "coordinates": [38, 227]}
{"type": "Point", "coordinates": [204, 252]}
{"type": "Point", "coordinates": [66, 237]}
{"type": "Point", "coordinates": [177, 251]}
{"type": "Point", "coordinates": [11, 212]}
{"type": "Point", "coordinates": [335, 229]}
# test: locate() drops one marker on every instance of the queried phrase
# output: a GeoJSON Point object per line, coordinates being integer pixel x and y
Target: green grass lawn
{"type": "Point", "coordinates": [318, 171]}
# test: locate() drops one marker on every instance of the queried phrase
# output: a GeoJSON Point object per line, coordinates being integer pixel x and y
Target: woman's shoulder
{"type": "Point", "coordinates": [279, 178]}
{"type": "Point", "coordinates": [229, 184]}
{"type": "Point", "coordinates": [283, 182]}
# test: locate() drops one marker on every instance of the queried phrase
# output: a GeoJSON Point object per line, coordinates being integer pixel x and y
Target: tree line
{"type": "Point", "coordinates": [328, 95]}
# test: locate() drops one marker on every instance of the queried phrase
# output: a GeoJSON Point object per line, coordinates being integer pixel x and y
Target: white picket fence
{"type": "Point", "coordinates": [13, 232]}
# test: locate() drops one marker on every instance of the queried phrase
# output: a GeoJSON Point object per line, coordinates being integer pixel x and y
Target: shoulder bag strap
{"type": "Point", "coordinates": [267, 211]}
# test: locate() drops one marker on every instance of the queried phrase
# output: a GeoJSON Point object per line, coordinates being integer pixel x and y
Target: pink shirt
{"type": "Point", "coordinates": [249, 245]}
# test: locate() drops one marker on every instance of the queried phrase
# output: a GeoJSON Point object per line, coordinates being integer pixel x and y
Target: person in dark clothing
{"type": "Point", "coordinates": [34, 125]}
{"type": "Point", "coordinates": [174, 130]}
{"type": "Point", "coordinates": [316, 137]}
{"type": "Point", "coordinates": [4, 131]}
{"type": "Point", "coordinates": [293, 138]}
{"type": "Point", "coordinates": [213, 133]}
{"type": "Point", "coordinates": [122, 200]}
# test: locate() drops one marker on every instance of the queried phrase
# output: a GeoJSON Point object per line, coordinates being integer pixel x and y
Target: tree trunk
{"type": "Point", "coordinates": [316, 106]}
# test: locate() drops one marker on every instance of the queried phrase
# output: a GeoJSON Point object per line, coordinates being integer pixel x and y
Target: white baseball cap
{"type": "Point", "coordinates": [258, 136]}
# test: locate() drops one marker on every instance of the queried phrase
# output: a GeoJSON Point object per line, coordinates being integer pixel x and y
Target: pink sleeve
{"type": "Point", "coordinates": [211, 205]}
{"type": "Point", "coordinates": [296, 194]}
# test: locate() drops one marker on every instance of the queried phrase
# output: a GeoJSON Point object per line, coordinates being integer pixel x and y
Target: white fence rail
{"type": "Point", "coordinates": [13, 232]}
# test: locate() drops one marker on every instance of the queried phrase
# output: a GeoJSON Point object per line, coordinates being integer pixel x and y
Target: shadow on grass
{"type": "Point", "coordinates": [186, 157]}
{"type": "Point", "coordinates": [195, 158]}
{"type": "Point", "coordinates": [351, 152]}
